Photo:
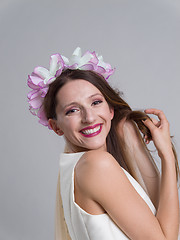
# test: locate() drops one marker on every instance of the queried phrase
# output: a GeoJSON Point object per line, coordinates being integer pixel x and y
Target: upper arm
{"type": "Point", "coordinates": [146, 164]}
{"type": "Point", "coordinates": [102, 178]}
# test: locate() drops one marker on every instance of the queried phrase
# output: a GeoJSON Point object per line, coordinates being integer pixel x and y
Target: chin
{"type": "Point", "coordinates": [95, 147]}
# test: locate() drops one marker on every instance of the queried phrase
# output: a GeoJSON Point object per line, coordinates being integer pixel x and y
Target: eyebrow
{"type": "Point", "coordinates": [77, 102]}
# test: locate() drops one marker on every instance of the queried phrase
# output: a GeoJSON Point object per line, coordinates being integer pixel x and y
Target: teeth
{"type": "Point", "coordinates": [90, 131]}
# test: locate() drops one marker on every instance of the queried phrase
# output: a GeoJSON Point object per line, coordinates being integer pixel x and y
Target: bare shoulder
{"type": "Point", "coordinates": [94, 160]}
{"type": "Point", "coordinates": [91, 168]}
{"type": "Point", "coordinates": [99, 157]}
{"type": "Point", "coordinates": [102, 179]}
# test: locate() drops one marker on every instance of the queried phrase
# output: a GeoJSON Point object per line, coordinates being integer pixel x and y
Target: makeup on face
{"type": "Point", "coordinates": [83, 114]}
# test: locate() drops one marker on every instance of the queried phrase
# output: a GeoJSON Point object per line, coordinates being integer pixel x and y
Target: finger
{"type": "Point", "coordinates": [146, 139]}
{"type": "Point", "coordinates": [148, 123]}
{"type": "Point", "coordinates": [157, 112]}
{"type": "Point", "coordinates": [156, 122]}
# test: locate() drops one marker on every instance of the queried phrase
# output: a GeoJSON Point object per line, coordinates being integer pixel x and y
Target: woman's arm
{"type": "Point", "coordinates": [168, 210]}
{"type": "Point", "coordinates": [102, 179]}
{"type": "Point", "coordinates": [140, 156]}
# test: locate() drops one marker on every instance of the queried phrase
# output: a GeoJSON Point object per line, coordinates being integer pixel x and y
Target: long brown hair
{"type": "Point", "coordinates": [115, 144]}
{"type": "Point", "coordinates": [114, 99]}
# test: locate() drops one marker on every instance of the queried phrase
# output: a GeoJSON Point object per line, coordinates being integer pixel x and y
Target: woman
{"type": "Point", "coordinates": [108, 184]}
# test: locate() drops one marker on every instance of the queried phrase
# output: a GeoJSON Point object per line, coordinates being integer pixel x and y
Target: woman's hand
{"type": "Point", "coordinates": [160, 132]}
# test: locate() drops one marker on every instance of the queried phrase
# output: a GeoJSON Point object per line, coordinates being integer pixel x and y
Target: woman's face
{"type": "Point", "coordinates": [83, 116]}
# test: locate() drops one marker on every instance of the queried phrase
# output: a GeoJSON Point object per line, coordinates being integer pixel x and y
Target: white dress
{"type": "Point", "coordinates": [82, 225]}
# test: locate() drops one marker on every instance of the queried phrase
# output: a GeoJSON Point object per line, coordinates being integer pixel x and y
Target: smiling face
{"type": "Point", "coordinates": [83, 116]}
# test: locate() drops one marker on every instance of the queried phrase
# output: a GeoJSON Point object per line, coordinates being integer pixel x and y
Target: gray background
{"type": "Point", "coordinates": [140, 38]}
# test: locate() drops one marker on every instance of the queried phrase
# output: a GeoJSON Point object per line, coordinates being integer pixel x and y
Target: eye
{"type": "Point", "coordinates": [71, 111]}
{"type": "Point", "coordinates": [97, 102]}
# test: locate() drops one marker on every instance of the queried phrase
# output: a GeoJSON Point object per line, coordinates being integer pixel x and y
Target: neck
{"type": "Point", "coordinates": [69, 149]}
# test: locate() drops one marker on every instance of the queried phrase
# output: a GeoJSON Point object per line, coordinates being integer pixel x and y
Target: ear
{"type": "Point", "coordinates": [112, 112]}
{"type": "Point", "coordinates": [55, 128]}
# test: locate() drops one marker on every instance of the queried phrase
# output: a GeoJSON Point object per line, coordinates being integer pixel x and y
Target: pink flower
{"type": "Point", "coordinates": [39, 81]}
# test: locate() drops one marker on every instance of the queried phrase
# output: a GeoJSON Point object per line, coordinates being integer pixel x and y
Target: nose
{"type": "Point", "coordinates": [88, 116]}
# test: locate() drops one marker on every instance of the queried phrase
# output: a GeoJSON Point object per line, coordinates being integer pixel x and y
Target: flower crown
{"type": "Point", "coordinates": [41, 77]}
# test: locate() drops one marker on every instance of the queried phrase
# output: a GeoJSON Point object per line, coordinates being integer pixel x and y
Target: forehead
{"type": "Point", "coordinates": [76, 91]}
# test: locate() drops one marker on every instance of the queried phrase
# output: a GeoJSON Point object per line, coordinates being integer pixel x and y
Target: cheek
{"type": "Point", "coordinates": [68, 126]}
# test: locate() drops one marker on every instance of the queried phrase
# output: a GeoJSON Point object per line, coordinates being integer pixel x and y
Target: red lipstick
{"type": "Point", "coordinates": [90, 127]}
{"type": "Point", "coordinates": [91, 134]}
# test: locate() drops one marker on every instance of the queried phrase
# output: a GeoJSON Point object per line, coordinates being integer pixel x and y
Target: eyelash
{"type": "Point", "coordinates": [99, 101]}
{"type": "Point", "coordinates": [71, 111]}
